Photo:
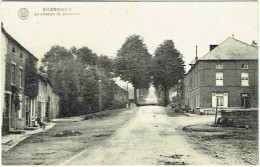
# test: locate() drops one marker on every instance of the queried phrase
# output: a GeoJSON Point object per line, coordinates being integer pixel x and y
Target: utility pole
{"type": "Point", "coordinates": [127, 91]}
{"type": "Point", "coordinates": [216, 112]}
{"type": "Point", "coordinates": [100, 86]}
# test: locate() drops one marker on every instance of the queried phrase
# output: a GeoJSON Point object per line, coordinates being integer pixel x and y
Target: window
{"type": "Point", "coordinates": [21, 56]}
{"type": "Point", "coordinates": [219, 66]}
{"type": "Point", "coordinates": [197, 101]}
{"type": "Point", "coordinates": [219, 79]}
{"type": "Point", "coordinates": [244, 66]}
{"type": "Point", "coordinates": [20, 110]}
{"type": "Point", "coordinates": [244, 79]}
{"type": "Point", "coordinates": [21, 77]}
{"type": "Point", "coordinates": [13, 50]}
{"type": "Point", "coordinates": [220, 101]}
{"type": "Point", "coordinates": [13, 74]}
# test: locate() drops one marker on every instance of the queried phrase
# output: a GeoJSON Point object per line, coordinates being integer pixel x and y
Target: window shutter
{"type": "Point", "coordinates": [213, 99]}
{"type": "Point", "coordinates": [225, 99]}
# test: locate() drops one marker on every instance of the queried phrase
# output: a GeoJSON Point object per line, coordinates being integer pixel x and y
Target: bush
{"type": "Point", "coordinates": [117, 105]}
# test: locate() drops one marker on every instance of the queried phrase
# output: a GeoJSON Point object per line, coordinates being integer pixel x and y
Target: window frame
{"type": "Point", "coordinates": [244, 66]}
{"type": "Point", "coordinates": [21, 58]}
{"type": "Point", "coordinates": [222, 100]}
{"type": "Point", "coordinates": [219, 66]}
{"type": "Point", "coordinates": [13, 51]}
{"type": "Point", "coordinates": [218, 78]}
{"type": "Point", "coordinates": [244, 78]}
{"type": "Point", "coordinates": [21, 76]}
{"type": "Point", "coordinates": [13, 71]}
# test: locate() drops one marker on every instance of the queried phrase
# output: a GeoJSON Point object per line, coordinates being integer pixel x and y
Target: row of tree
{"type": "Point", "coordinates": [75, 74]}
{"type": "Point", "coordinates": [135, 65]}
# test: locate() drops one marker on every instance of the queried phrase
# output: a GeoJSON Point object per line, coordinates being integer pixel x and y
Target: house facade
{"type": "Point", "coordinates": [19, 109]}
{"type": "Point", "coordinates": [15, 56]}
{"type": "Point", "coordinates": [47, 102]}
{"type": "Point", "coordinates": [226, 77]}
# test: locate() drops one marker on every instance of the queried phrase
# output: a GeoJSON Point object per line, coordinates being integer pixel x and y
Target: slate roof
{"type": "Point", "coordinates": [232, 49]}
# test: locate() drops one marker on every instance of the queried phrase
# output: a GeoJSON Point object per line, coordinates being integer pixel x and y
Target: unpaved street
{"type": "Point", "coordinates": [149, 138]}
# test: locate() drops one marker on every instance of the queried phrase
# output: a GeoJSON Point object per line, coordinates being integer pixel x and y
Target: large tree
{"type": "Point", "coordinates": [133, 63]}
{"type": "Point", "coordinates": [168, 68]}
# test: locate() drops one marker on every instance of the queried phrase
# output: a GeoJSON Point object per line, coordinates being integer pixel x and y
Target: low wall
{"type": "Point", "coordinates": [241, 117]}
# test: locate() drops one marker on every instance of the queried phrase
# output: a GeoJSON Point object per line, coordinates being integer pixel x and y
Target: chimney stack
{"type": "Point", "coordinates": [211, 47]}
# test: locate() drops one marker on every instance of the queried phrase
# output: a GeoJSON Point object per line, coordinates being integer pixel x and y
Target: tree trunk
{"type": "Point", "coordinates": [135, 95]}
{"type": "Point", "coordinates": [165, 97]}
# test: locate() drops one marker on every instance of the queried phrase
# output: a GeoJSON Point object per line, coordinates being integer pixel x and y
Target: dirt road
{"type": "Point", "coordinates": [149, 138]}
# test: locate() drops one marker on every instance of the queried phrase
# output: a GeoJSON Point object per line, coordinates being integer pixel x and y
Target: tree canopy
{"type": "Point", "coordinates": [168, 67]}
{"type": "Point", "coordinates": [133, 63]}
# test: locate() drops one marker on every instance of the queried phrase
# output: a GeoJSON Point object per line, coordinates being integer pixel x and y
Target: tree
{"type": "Point", "coordinates": [87, 56]}
{"type": "Point", "coordinates": [168, 68]}
{"type": "Point", "coordinates": [31, 86]}
{"type": "Point", "coordinates": [133, 63]}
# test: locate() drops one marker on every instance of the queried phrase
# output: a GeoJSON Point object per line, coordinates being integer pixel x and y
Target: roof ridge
{"type": "Point", "coordinates": [219, 47]}
{"type": "Point", "coordinates": [241, 42]}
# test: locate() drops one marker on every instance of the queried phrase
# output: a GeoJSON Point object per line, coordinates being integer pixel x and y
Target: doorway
{"type": "Point", "coordinates": [245, 100]}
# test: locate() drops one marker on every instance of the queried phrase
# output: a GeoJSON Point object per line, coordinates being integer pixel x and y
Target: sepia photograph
{"type": "Point", "coordinates": [129, 83]}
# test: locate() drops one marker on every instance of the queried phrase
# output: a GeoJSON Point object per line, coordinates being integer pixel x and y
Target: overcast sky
{"type": "Point", "coordinates": [103, 27]}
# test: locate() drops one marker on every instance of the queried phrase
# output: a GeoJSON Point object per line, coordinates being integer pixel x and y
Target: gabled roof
{"type": "Point", "coordinates": [232, 49]}
{"type": "Point", "coordinates": [19, 45]}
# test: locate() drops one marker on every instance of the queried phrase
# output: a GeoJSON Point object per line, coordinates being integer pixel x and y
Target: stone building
{"type": "Point", "coordinates": [226, 77]}
{"type": "Point", "coordinates": [15, 56]}
{"type": "Point", "coordinates": [19, 110]}
{"type": "Point", "coordinates": [47, 101]}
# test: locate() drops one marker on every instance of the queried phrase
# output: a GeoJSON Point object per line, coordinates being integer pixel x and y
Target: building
{"type": "Point", "coordinates": [120, 95]}
{"type": "Point", "coordinates": [47, 102]}
{"type": "Point", "coordinates": [226, 77]}
{"type": "Point", "coordinates": [20, 108]}
{"type": "Point", "coordinates": [15, 56]}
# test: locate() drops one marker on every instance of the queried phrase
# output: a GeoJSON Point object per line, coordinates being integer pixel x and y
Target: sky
{"type": "Point", "coordinates": [103, 27]}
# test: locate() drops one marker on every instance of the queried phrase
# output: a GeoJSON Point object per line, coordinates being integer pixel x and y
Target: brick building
{"type": "Point", "coordinates": [227, 76]}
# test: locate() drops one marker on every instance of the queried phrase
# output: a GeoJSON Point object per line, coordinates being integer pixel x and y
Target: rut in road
{"type": "Point", "coordinates": [150, 138]}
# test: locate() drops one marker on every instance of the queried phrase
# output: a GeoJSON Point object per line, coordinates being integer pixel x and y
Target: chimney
{"type": "Point", "coordinates": [196, 58]}
{"type": "Point", "coordinates": [211, 47]}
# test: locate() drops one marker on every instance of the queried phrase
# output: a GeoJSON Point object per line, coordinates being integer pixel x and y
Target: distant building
{"type": "Point", "coordinates": [120, 94]}
{"type": "Point", "coordinates": [47, 106]}
{"type": "Point", "coordinates": [226, 77]}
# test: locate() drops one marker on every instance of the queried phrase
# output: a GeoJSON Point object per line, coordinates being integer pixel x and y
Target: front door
{"type": "Point", "coordinates": [245, 100]}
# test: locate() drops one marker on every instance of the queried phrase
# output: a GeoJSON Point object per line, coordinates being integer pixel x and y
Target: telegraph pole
{"type": "Point", "coordinates": [100, 86]}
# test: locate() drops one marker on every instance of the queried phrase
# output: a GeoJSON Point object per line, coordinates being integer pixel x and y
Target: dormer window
{"type": "Point", "coordinates": [13, 50]}
{"type": "Point", "coordinates": [21, 56]}
{"type": "Point", "coordinates": [244, 66]}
